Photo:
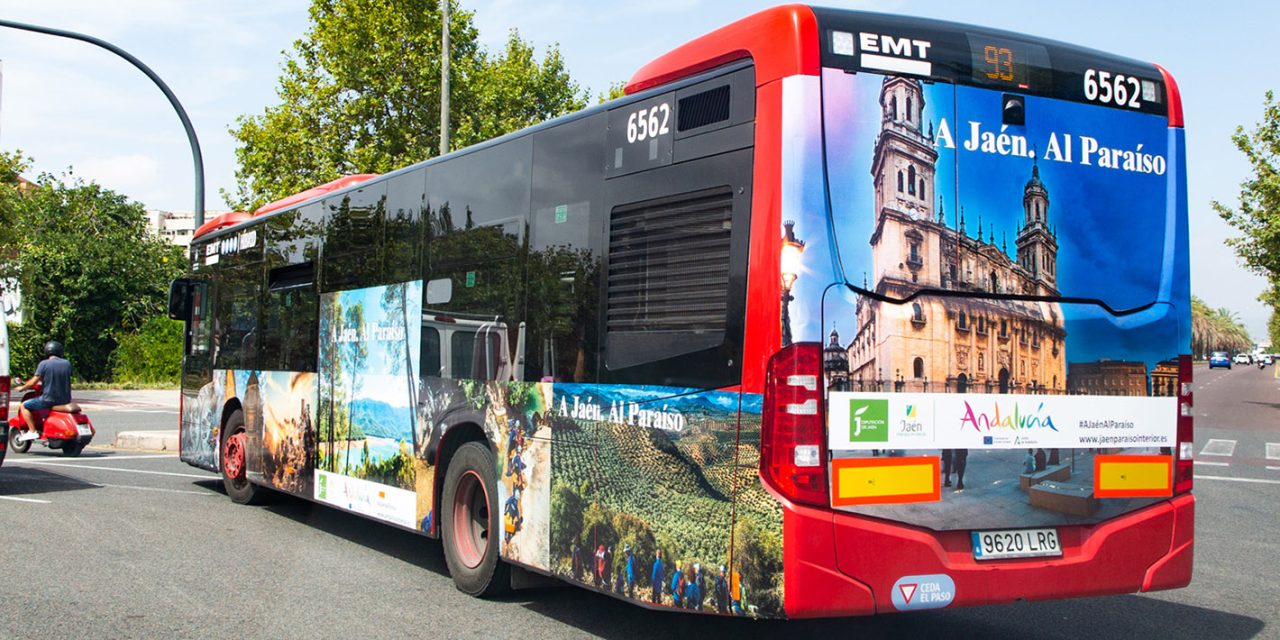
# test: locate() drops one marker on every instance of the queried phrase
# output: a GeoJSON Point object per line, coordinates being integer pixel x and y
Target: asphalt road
{"type": "Point", "coordinates": [115, 411]}
{"type": "Point", "coordinates": [140, 545]}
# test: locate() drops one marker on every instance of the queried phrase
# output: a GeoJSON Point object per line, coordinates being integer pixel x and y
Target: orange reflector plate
{"type": "Point", "coordinates": [857, 481]}
{"type": "Point", "coordinates": [1130, 476]}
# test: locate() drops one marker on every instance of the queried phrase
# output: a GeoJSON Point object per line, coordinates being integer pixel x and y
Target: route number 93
{"type": "Point", "coordinates": [1112, 88]}
{"type": "Point", "coordinates": [649, 123]}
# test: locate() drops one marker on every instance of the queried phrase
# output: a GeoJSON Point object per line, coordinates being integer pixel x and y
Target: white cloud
{"type": "Point", "coordinates": [129, 174]}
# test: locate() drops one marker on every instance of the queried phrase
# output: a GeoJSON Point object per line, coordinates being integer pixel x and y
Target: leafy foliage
{"type": "Point", "coordinates": [89, 270]}
{"type": "Point", "coordinates": [152, 355]}
{"type": "Point", "coordinates": [1257, 215]}
{"type": "Point", "coordinates": [360, 92]}
{"type": "Point", "coordinates": [1216, 330]}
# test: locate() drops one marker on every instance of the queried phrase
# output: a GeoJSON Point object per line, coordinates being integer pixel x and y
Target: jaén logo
{"type": "Point", "coordinates": [868, 420]}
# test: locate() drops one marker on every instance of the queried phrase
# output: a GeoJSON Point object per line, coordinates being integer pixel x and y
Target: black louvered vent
{"type": "Point", "coordinates": [702, 109]}
{"type": "Point", "coordinates": [669, 263]}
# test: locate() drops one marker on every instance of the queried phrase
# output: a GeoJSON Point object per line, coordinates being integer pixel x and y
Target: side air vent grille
{"type": "Point", "coordinates": [668, 266]}
{"type": "Point", "coordinates": [702, 109]}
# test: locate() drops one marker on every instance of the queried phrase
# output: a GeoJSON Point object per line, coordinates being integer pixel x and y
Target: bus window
{"type": "Point", "coordinates": [431, 352]}
{"type": "Point", "coordinates": [403, 228]}
{"type": "Point", "coordinates": [235, 329]}
{"type": "Point", "coordinates": [353, 230]}
{"type": "Point", "coordinates": [290, 314]}
{"type": "Point", "coordinates": [567, 231]}
{"type": "Point", "coordinates": [198, 332]}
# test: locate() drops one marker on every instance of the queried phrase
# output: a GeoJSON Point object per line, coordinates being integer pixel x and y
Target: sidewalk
{"type": "Point", "coordinates": [147, 440]}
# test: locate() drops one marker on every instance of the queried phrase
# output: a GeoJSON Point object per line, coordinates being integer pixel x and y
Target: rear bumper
{"type": "Point", "coordinates": [838, 564]}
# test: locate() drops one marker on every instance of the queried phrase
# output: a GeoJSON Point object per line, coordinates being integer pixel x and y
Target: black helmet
{"type": "Point", "coordinates": [53, 348]}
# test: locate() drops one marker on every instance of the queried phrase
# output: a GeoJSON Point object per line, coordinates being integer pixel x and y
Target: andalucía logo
{"type": "Point", "coordinates": [868, 420]}
{"type": "Point", "coordinates": [1016, 419]}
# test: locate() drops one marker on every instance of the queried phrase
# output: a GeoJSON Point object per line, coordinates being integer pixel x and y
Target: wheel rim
{"type": "Point", "coordinates": [233, 458]}
{"type": "Point", "coordinates": [471, 519]}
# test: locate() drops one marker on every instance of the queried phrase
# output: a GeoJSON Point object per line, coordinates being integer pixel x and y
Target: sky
{"type": "Point", "coordinates": [69, 104]}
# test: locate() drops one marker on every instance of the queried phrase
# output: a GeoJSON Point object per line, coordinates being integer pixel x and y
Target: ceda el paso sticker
{"type": "Point", "coordinates": [923, 592]}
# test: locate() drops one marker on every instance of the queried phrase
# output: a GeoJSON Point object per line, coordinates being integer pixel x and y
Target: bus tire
{"type": "Point", "coordinates": [470, 523]}
{"type": "Point", "coordinates": [234, 470]}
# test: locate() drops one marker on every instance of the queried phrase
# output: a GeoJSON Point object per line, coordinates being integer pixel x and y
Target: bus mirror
{"type": "Point", "coordinates": [180, 299]}
{"type": "Point", "coordinates": [439, 291]}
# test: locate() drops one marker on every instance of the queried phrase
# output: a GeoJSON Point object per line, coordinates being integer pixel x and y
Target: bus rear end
{"type": "Point", "coordinates": [970, 311]}
{"type": "Point", "coordinates": [985, 236]}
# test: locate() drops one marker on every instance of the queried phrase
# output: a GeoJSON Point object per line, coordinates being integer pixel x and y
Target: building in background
{"type": "Point", "coordinates": [175, 227]}
{"type": "Point", "coordinates": [950, 344]}
{"type": "Point", "coordinates": [1107, 378]}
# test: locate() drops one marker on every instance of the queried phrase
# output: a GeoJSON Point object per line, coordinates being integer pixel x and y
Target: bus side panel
{"type": "Point", "coordinates": [367, 424]}
{"type": "Point", "coordinates": [202, 404]}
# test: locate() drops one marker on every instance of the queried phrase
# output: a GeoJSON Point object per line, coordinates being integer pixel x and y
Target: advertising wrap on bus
{"type": "Point", "coordinates": [1011, 310]}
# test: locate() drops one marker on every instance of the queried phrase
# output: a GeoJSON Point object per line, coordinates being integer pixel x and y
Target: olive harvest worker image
{"type": "Point", "coordinates": [54, 373]}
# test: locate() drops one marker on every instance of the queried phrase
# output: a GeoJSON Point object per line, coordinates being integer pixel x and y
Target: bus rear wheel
{"type": "Point", "coordinates": [234, 473]}
{"type": "Point", "coordinates": [470, 524]}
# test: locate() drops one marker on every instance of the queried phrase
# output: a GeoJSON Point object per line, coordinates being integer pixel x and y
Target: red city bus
{"type": "Point", "coordinates": [826, 317]}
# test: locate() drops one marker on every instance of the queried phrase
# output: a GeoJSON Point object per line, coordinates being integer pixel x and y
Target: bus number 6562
{"type": "Point", "coordinates": [1108, 88]}
{"type": "Point", "coordinates": [649, 123]}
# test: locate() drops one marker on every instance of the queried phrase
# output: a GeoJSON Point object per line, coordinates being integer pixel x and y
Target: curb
{"type": "Point", "coordinates": [147, 440]}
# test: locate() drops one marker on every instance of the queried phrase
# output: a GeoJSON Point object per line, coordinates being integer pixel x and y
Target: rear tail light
{"type": "Point", "coordinates": [793, 451]}
{"type": "Point", "coordinates": [1183, 467]}
{"type": "Point", "coordinates": [4, 398]}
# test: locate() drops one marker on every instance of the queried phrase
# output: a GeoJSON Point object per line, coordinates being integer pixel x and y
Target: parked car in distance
{"type": "Point", "coordinates": [1219, 359]}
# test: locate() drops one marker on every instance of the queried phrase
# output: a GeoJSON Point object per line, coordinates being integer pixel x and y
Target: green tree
{"type": "Point", "coordinates": [1257, 215]}
{"type": "Point", "coordinates": [757, 556]}
{"type": "Point", "coordinates": [1216, 330]}
{"type": "Point", "coordinates": [13, 201]}
{"type": "Point", "coordinates": [360, 92]}
{"type": "Point", "coordinates": [567, 505]}
{"type": "Point", "coordinates": [616, 90]}
{"type": "Point", "coordinates": [151, 355]}
{"type": "Point", "coordinates": [88, 269]}
{"type": "Point", "coordinates": [1273, 329]}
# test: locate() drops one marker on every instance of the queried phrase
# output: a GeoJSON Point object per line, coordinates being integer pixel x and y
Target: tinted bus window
{"type": "Point", "coordinates": [403, 230]}
{"type": "Point", "coordinates": [566, 235]}
{"type": "Point", "coordinates": [353, 237]}
{"type": "Point", "coordinates": [235, 333]}
{"type": "Point", "coordinates": [479, 208]}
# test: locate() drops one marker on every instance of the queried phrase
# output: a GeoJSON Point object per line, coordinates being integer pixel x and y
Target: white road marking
{"type": "Point", "coordinates": [1207, 463]}
{"type": "Point", "coordinates": [33, 500]}
{"type": "Point", "coordinates": [88, 466]}
{"type": "Point", "coordinates": [1273, 450]}
{"type": "Point", "coordinates": [1273, 468]}
{"type": "Point", "coordinates": [129, 486]}
{"type": "Point", "coordinates": [1217, 447]}
{"type": "Point", "coordinates": [1253, 480]}
{"type": "Point", "coordinates": [97, 458]}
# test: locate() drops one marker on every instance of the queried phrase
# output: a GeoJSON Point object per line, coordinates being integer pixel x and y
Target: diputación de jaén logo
{"type": "Point", "coordinates": [868, 420]}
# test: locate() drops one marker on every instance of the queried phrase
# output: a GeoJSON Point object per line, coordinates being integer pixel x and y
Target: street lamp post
{"type": "Point", "coordinates": [196, 158]}
{"type": "Point", "coordinates": [790, 268]}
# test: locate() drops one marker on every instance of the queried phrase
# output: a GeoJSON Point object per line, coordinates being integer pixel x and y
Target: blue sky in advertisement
{"type": "Point", "coordinates": [385, 354]}
{"type": "Point", "coordinates": [1110, 222]}
{"type": "Point", "coordinates": [68, 104]}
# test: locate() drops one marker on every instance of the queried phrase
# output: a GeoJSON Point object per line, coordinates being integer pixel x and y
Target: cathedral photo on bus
{"type": "Point", "coordinates": [993, 254]}
{"type": "Point", "coordinates": [920, 239]}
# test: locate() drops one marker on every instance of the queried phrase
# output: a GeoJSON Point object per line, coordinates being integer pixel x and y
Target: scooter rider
{"type": "Point", "coordinates": [54, 373]}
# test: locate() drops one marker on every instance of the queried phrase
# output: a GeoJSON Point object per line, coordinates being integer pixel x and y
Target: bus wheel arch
{"type": "Point", "coordinates": [468, 510]}
{"type": "Point", "coordinates": [232, 460]}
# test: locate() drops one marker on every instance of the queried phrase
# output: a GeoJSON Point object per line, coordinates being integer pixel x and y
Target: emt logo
{"type": "Point", "coordinates": [869, 420]}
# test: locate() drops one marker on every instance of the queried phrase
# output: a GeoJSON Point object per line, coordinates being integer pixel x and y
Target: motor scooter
{"type": "Point", "coordinates": [65, 427]}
